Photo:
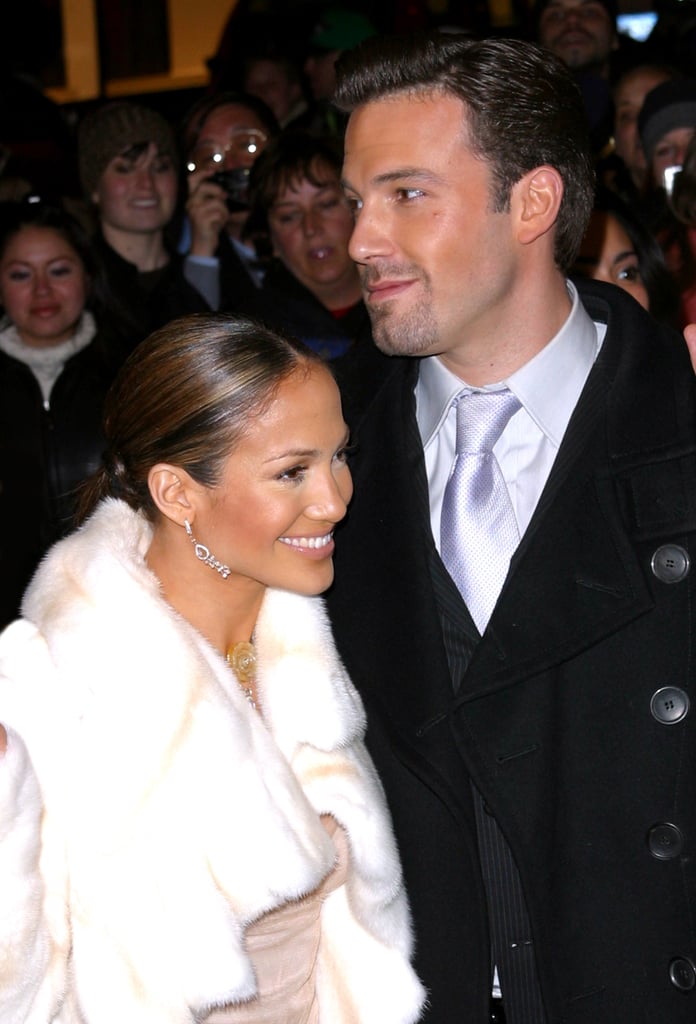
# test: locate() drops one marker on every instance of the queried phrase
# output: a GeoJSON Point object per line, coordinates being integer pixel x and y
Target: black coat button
{"type": "Point", "coordinates": [665, 841]}
{"type": "Point", "coordinates": [669, 705]}
{"type": "Point", "coordinates": [670, 563]}
{"type": "Point", "coordinates": [682, 974]}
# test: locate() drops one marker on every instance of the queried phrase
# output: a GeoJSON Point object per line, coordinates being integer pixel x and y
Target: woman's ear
{"type": "Point", "coordinates": [536, 200]}
{"type": "Point", "coordinates": [174, 492]}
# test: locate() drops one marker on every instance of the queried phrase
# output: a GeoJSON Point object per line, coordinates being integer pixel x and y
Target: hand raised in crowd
{"type": "Point", "coordinates": [207, 211]}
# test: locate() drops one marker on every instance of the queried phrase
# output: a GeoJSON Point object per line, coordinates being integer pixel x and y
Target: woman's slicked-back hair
{"type": "Point", "coordinates": [522, 110]}
{"type": "Point", "coordinates": [186, 396]}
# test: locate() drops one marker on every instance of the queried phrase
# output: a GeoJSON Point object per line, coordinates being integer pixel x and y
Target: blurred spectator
{"type": "Point", "coordinates": [128, 169]}
{"type": "Point", "coordinates": [37, 143]}
{"type": "Point", "coordinates": [276, 79]}
{"type": "Point", "coordinates": [619, 249]}
{"type": "Point", "coordinates": [336, 30]}
{"type": "Point", "coordinates": [222, 137]}
{"type": "Point", "coordinates": [667, 123]}
{"type": "Point", "coordinates": [629, 94]}
{"type": "Point", "coordinates": [55, 369]}
{"type": "Point", "coordinates": [582, 33]}
{"type": "Point", "coordinates": [311, 287]}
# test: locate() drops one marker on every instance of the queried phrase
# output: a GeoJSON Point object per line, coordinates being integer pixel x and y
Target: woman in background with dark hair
{"type": "Point", "coordinates": [619, 249]}
{"type": "Point", "coordinates": [55, 369]}
{"type": "Point", "coordinates": [311, 286]}
{"type": "Point", "coordinates": [209, 841]}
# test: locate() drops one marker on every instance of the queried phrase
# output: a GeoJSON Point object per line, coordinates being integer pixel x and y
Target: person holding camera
{"type": "Point", "coordinates": [128, 170]}
{"type": "Point", "coordinates": [222, 136]}
{"type": "Point", "coordinates": [667, 123]}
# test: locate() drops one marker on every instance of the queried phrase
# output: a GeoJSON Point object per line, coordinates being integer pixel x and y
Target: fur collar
{"type": "Point", "coordinates": [174, 814]}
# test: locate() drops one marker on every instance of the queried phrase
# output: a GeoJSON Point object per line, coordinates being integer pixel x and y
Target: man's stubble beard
{"type": "Point", "coordinates": [412, 333]}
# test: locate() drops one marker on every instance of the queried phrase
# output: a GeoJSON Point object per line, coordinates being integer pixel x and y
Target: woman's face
{"type": "Point", "coordinates": [310, 227]}
{"type": "Point", "coordinates": [43, 286]}
{"type": "Point", "coordinates": [607, 254]}
{"type": "Point", "coordinates": [628, 99]}
{"type": "Point", "coordinates": [137, 191]}
{"type": "Point", "coordinates": [670, 152]}
{"type": "Point", "coordinates": [282, 491]}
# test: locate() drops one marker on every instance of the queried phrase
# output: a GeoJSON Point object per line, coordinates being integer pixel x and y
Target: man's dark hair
{"type": "Point", "coordinates": [523, 109]}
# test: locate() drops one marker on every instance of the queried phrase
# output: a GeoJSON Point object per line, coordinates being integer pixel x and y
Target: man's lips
{"type": "Point", "coordinates": [379, 291]}
{"type": "Point", "coordinates": [574, 36]}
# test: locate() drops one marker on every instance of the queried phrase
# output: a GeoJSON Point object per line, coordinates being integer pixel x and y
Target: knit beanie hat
{"type": "Point", "coordinates": [114, 128]}
{"type": "Point", "coordinates": [668, 106]}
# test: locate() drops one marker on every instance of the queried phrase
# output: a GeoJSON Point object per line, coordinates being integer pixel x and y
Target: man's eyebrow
{"type": "Point", "coordinates": [400, 174]}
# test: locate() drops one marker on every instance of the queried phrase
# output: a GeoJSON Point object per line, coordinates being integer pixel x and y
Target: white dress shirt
{"type": "Point", "coordinates": [548, 388]}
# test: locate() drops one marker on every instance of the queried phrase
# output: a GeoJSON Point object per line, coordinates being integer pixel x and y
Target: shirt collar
{"type": "Point", "coordinates": [565, 362]}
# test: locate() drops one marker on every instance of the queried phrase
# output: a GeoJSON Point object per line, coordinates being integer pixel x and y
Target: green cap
{"type": "Point", "coordinates": [338, 29]}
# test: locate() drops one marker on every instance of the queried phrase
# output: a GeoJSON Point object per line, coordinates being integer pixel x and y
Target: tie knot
{"type": "Point", "coordinates": [482, 417]}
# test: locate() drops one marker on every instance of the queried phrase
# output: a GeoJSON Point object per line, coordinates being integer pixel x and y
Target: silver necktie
{"type": "Point", "coordinates": [478, 529]}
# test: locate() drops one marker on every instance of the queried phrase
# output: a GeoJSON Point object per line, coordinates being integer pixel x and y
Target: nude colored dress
{"type": "Point", "coordinates": [283, 947]}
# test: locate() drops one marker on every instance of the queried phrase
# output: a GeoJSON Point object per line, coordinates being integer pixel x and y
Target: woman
{"type": "Point", "coordinates": [55, 369]}
{"type": "Point", "coordinates": [619, 249]}
{"type": "Point", "coordinates": [215, 845]}
{"type": "Point", "coordinates": [128, 170]}
{"type": "Point", "coordinates": [222, 136]}
{"type": "Point", "coordinates": [311, 287]}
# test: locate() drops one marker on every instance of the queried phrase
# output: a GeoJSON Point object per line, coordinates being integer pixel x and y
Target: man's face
{"type": "Point", "coordinates": [580, 32]}
{"type": "Point", "coordinates": [437, 266]}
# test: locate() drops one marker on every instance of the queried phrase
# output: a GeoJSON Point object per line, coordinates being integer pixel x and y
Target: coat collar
{"type": "Point", "coordinates": [625, 472]}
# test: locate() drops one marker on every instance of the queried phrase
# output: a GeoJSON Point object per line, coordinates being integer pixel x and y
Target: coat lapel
{"type": "Point", "coordinates": [625, 472]}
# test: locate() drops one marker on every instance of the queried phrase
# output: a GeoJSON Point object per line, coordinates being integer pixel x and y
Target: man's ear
{"type": "Point", "coordinates": [174, 492]}
{"type": "Point", "coordinates": [536, 200]}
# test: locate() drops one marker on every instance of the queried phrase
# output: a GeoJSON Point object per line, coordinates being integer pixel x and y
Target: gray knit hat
{"type": "Point", "coordinates": [668, 106]}
{"type": "Point", "coordinates": [114, 128]}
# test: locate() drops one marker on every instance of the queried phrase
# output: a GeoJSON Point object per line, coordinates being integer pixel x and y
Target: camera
{"type": "Point", "coordinates": [235, 183]}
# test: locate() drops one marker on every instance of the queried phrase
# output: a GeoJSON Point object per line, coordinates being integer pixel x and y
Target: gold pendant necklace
{"type": "Point", "coordinates": [241, 657]}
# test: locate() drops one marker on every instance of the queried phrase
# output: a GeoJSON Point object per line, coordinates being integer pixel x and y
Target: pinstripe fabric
{"type": "Point", "coordinates": [511, 949]}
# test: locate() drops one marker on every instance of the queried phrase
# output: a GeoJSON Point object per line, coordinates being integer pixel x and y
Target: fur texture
{"type": "Point", "coordinates": [173, 815]}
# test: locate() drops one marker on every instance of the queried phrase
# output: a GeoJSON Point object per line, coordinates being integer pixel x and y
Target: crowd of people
{"type": "Point", "coordinates": [448, 793]}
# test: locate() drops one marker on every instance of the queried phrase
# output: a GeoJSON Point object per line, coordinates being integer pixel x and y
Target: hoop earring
{"type": "Point", "coordinates": [203, 554]}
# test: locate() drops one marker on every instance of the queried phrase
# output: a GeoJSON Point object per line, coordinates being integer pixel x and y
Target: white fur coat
{"type": "Point", "coordinates": [163, 814]}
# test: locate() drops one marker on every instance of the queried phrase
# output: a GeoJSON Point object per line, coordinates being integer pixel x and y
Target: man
{"type": "Point", "coordinates": [336, 31]}
{"type": "Point", "coordinates": [582, 33]}
{"type": "Point", "coordinates": [540, 766]}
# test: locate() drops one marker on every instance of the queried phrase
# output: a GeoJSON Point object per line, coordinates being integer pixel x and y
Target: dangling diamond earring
{"type": "Point", "coordinates": [203, 554]}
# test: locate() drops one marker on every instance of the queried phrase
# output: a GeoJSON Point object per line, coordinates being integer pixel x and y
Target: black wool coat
{"type": "Point", "coordinates": [576, 715]}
